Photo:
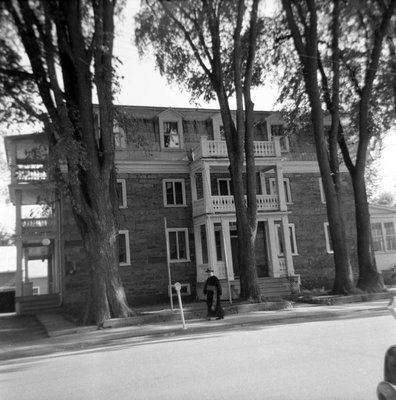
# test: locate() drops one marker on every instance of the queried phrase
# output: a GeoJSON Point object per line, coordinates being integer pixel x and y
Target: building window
{"type": "Point", "coordinates": [121, 192]}
{"type": "Point", "coordinates": [218, 241]}
{"type": "Point", "coordinates": [322, 193]}
{"type": "Point", "coordinates": [329, 245]}
{"type": "Point", "coordinates": [279, 240]}
{"type": "Point", "coordinates": [171, 135]}
{"type": "Point", "coordinates": [119, 136]}
{"type": "Point", "coordinates": [224, 187]}
{"type": "Point", "coordinates": [222, 133]}
{"type": "Point", "coordinates": [384, 236]}
{"type": "Point", "coordinates": [277, 130]}
{"type": "Point", "coordinates": [174, 193]}
{"type": "Point", "coordinates": [390, 237]}
{"type": "Point", "coordinates": [123, 246]}
{"type": "Point", "coordinates": [286, 188]}
{"type": "Point", "coordinates": [178, 245]}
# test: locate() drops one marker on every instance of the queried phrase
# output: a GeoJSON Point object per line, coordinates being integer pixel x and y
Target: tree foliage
{"type": "Point", "coordinates": [348, 57]}
{"type": "Point", "coordinates": [52, 55]}
{"type": "Point", "coordinates": [210, 49]}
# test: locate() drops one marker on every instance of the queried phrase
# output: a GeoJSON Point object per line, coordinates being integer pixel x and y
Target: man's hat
{"type": "Point", "coordinates": [210, 270]}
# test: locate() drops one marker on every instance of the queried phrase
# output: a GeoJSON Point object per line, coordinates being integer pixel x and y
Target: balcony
{"type": "Point", "coordinates": [226, 204]}
{"type": "Point", "coordinates": [218, 149]}
{"type": "Point", "coordinates": [37, 225]}
{"type": "Point", "coordinates": [28, 173]}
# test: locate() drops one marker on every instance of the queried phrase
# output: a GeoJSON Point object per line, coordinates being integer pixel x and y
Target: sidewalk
{"type": "Point", "coordinates": [62, 336]}
{"type": "Point", "coordinates": [163, 319]}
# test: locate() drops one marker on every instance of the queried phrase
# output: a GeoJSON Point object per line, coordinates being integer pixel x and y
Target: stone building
{"type": "Point", "coordinates": [177, 210]}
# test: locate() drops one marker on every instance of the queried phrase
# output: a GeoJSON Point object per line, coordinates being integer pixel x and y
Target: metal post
{"type": "Point", "coordinates": [178, 287]}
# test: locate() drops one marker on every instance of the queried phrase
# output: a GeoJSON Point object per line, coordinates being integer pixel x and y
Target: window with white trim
{"type": "Point", "coordinates": [286, 188]}
{"type": "Point", "coordinates": [121, 192]}
{"type": "Point", "coordinates": [174, 192]}
{"type": "Point", "coordinates": [171, 135]}
{"type": "Point", "coordinates": [224, 187]}
{"type": "Point", "coordinates": [322, 193]}
{"type": "Point", "coordinates": [278, 130]}
{"type": "Point", "coordinates": [222, 133]}
{"type": "Point", "coordinates": [123, 246]}
{"type": "Point", "coordinates": [178, 245]}
{"type": "Point", "coordinates": [384, 236]}
{"type": "Point", "coordinates": [329, 245]}
{"type": "Point", "coordinates": [119, 136]}
{"type": "Point", "coordinates": [279, 240]}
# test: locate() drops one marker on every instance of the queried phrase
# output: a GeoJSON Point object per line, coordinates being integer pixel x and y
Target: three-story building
{"type": "Point", "coordinates": [177, 213]}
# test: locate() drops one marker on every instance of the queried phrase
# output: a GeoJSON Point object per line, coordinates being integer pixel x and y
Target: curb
{"type": "Point", "coordinates": [168, 322]}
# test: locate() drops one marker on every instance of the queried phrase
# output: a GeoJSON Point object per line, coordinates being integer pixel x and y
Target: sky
{"type": "Point", "coordinates": [142, 85]}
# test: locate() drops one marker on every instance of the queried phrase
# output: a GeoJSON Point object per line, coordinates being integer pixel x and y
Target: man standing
{"type": "Point", "coordinates": [212, 290]}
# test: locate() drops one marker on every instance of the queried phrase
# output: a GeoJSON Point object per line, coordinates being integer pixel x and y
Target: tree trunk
{"type": "Point", "coordinates": [343, 281]}
{"type": "Point", "coordinates": [106, 293]}
{"type": "Point", "coordinates": [369, 278]}
{"type": "Point", "coordinates": [307, 50]}
{"type": "Point", "coordinates": [246, 225]}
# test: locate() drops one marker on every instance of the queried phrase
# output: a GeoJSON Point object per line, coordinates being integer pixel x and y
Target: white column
{"type": "Point", "coordinates": [19, 249]}
{"type": "Point", "coordinates": [273, 249]}
{"type": "Point", "coordinates": [225, 229]}
{"type": "Point", "coordinates": [198, 244]}
{"type": "Point", "coordinates": [281, 188]}
{"type": "Point", "coordinates": [206, 189]}
{"type": "Point", "coordinates": [287, 245]}
{"type": "Point", "coordinates": [193, 184]}
{"type": "Point", "coordinates": [210, 239]}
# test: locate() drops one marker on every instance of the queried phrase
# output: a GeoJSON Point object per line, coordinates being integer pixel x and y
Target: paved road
{"type": "Point", "coordinates": [333, 359]}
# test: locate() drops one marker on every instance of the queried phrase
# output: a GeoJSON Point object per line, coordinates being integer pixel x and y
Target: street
{"type": "Point", "coordinates": [333, 359]}
{"type": "Point", "coordinates": [337, 359]}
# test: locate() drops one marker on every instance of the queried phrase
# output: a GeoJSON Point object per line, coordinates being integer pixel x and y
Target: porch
{"type": "Point", "coordinates": [216, 247]}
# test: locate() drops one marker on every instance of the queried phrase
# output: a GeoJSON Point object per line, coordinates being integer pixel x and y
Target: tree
{"type": "Point", "coordinates": [210, 48]}
{"type": "Point", "coordinates": [302, 22]}
{"type": "Point", "coordinates": [347, 59]}
{"type": "Point", "coordinates": [69, 48]}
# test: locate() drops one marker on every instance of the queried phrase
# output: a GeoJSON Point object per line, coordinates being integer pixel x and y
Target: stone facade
{"type": "Point", "coordinates": [314, 263]}
{"type": "Point", "coordinates": [200, 215]}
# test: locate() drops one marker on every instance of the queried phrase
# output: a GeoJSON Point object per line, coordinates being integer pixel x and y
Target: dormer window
{"type": "Point", "coordinates": [276, 128]}
{"type": "Point", "coordinates": [119, 136]}
{"type": "Point", "coordinates": [222, 133]}
{"type": "Point", "coordinates": [171, 130]}
{"type": "Point", "coordinates": [171, 135]}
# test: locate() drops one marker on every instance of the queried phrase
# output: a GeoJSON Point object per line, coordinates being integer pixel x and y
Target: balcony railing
{"type": "Point", "coordinates": [37, 224]}
{"type": "Point", "coordinates": [226, 204]}
{"type": "Point", "coordinates": [218, 148]}
{"type": "Point", "coordinates": [29, 173]}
